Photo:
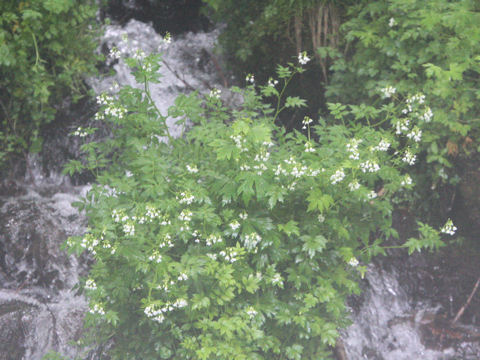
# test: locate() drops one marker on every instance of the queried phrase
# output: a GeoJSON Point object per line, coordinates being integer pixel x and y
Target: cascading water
{"type": "Point", "coordinates": [39, 311]}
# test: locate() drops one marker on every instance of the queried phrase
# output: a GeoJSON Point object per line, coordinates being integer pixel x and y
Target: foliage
{"type": "Point", "coordinates": [46, 46]}
{"type": "Point", "coordinates": [415, 46]}
{"type": "Point", "coordinates": [260, 34]}
{"type": "Point", "coordinates": [237, 240]}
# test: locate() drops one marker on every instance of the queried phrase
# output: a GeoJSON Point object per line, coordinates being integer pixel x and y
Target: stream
{"type": "Point", "coordinates": [40, 310]}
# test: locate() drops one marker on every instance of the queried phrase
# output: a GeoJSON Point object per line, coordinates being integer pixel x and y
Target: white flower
{"type": "Point", "coordinates": [409, 158]}
{"type": "Point", "coordinates": [369, 166]}
{"type": "Point", "coordinates": [186, 198]}
{"type": "Point", "coordinates": [277, 279]}
{"type": "Point", "coordinates": [185, 215]}
{"type": "Point", "coordinates": [272, 82]}
{"type": "Point", "coordinates": [354, 185]}
{"type": "Point", "coordinates": [215, 93]}
{"type": "Point", "coordinates": [309, 147]}
{"type": "Point", "coordinates": [234, 225]}
{"type": "Point", "coordinates": [321, 218]}
{"type": "Point", "coordinates": [80, 132]}
{"type": "Point", "coordinates": [250, 78]}
{"type": "Point", "coordinates": [388, 91]}
{"type": "Point", "coordinates": [382, 146]}
{"type": "Point", "coordinates": [407, 180]}
{"type": "Point", "coordinates": [402, 126]}
{"type": "Point", "coordinates": [90, 284]}
{"type": "Point", "coordinates": [303, 58]}
{"type": "Point", "coordinates": [139, 55]}
{"type": "Point", "coordinates": [449, 228]}
{"type": "Point", "coordinates": [306, 121]}
{"type": "Point", "coordinates": [182, 277]}
{"type": "Point", "coordinates": [337, 177]}
{"type": "Point", "coordinates": [415, 134]}
{"type": "Point", "coordinates": [213, 239]}
{"type": "Point", "coordinates": [114, 53]}
{"type": "Point", "coordinates": [251, 312]}
{"type": "Point", "coordinates": [97, 309]}
{"type": "Point", "coordinates": [167, 39]}
{"type": "Point", "coordinates": [243, 216]}
{"type": "Point", "coordinates": [392, 22]}
{"type": "Point", "coordinates": [179, 303]}
{"type": "Point", "coordinates": [129, 229]}
{"type": "Point", "coordinates": [427, 116]}
{"type": "Point", "coordinates": [155, 257]}
{"type": "Point", "coordinates": [352, 147]}
{"type": "Point", "coordinates": [371, 195]}
{"type": "Point", "coordinates": [251, 240]}
{"type": "Point", "coordinates": [353, 262]}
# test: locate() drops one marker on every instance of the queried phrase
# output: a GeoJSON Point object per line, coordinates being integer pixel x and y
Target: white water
{"type": "Point", "coordinates": [187, 64]}
{"type": "Point", "coordinates": [386, 327]}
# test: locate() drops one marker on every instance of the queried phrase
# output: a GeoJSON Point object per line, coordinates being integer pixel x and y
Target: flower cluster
{"type": "Point", "coordinates": [185, 215]}
{"type": "Point", "coordinates": [309, 147]}
{"type": "Point", "coordinates": [97, 309]}
{"type": "Point", "coordinates": [306, 121]}
{"type": "Point", "coordinates": [369, 166]}
{"type": "Point", "coordinates": [215, 93]}
{"type": "Point", "coordinates": [407, 180]}
{"type": "Point", "coordinates": [415, 134]}
{"type": "Point", "coordinates": [352, 148]}
{"type": "Point", "coordinates": [234, 225]}
{"type": "Point", "coordinates": [251, 240]}
{"type": "Point", "coordinates": [353, 262]}
{"type": "Point", "coordinates": [383, 145]}
{"type": "Point", "coordinates": [354, 185]}
{"type": "Point", "coordinates": [111, 107]}
{"type": "Point", "coordinates": [409, 157]}
{"type": "Point", "coordinates": [80, 132]}
{"type": "Point", "coordinates": [271, 82]}
{"type": "Point", "coordinates": [157, 314]}
{"type": "Point", "coordinates": [114, 53]}
{"type": "Point", "coordinates": [388, 91]}
{"type": "Point", "coordinates": [213, 239]}
{"type": "Point", "coordinates": [303, 59]}
{"type": "Point", "coordinates": [240, 142]}
{"type": "Point", "coordinates": [167, 241]}
{"type": "Point", "coordinates": [449, 228]}
{"type": "Point", "coordinates": [192, 169]}
{"type": "Point", "coordinates": [90, 284]}
{"type": "Point", "coordinates": [338, 176]}
{"type": "Point", "coordinates": [427, 115]}
{"type": "Point", "coordinates": [250, 79]}
{"type": "Point", "coordinates": [186, 197]}
{"type": "Point", "coordinates": [229, 254]}
{"type": "Point", "coordinates": [155, 257]}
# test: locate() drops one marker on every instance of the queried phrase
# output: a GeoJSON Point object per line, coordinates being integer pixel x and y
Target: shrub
{"type": "Point", "coordinates": [237, 240]}
{"type": "Point", "coordinates": [46, 47]}
{"type": "Point", "coordinates": [431, 47]}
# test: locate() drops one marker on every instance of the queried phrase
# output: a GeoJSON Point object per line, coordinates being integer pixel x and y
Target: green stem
{"type": "Point", "coordinates": [147, 92]}
{"type": "Point", "coordinates": [279, 110]}
{"type": "Point", "coordinates": [37, 59]}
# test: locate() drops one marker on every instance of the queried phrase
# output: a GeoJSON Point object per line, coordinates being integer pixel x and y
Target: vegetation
{"type": "Point", "coordinates": [430, 47]}
{"type": "Point", "coordinates": [238, 240]}
{"type": "Point", "coordinates": [241, 240]}
{"type": "Point", "coordinates": [46, 47]}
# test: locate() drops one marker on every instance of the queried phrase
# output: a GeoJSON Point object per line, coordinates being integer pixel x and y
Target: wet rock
{"type": "Point", "coordinates": [39, 312]}
{"type": "Point", "coordinates": [30, 243]}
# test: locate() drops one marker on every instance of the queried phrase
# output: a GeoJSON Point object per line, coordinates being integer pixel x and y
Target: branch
{"type": "Point", "coordinates": [462, 309]}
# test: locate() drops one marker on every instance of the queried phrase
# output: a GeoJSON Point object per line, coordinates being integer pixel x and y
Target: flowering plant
{"type": "Point", "coordinates": [237, 240]}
